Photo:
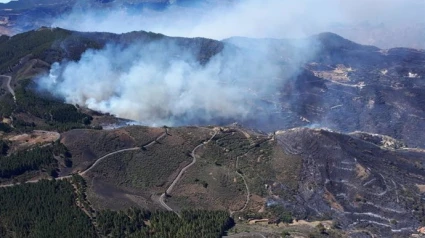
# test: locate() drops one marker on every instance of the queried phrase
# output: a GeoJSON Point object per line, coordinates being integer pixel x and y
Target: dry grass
{"type": "Point", "coordinates": [88, 145]}
{"type": "Point", "coordinates": [421, 187]}
{"type": "Point", "coordinates": [149, 171]}
{"type": "Point", "coordinates": [362, 173]}
{"type": "Point", "coordinates": [211, 183]}
{"type": "Point", "coordinates": [207, 186]}
{"type": "Point", "coordinates": [300, 229]}
{"type": "Point", "coordinates": [27, 140]}
{"type": "Point", "coordinates": [32, 68]}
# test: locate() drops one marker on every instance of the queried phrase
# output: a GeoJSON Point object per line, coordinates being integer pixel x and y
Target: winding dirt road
{"type": "Point", "coordinates": [170, 188]}
{"type": "Point", "coordinates": [104, 157]}
{"type": "Point", "coordinates": [156, 140]}
{"type": "Point", "coordinates": [10, 89]}
{"type": "Point", "coordinates": [82, 173]}
{"type": "Point", "coordinates": [248, 194]}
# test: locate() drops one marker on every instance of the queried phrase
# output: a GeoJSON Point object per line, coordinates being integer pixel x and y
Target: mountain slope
{"type": "Point", "coordinates": [363, 182]}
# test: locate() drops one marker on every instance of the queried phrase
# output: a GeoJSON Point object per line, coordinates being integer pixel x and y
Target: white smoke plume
{"type": "Point", "coordinates": [160, 83]}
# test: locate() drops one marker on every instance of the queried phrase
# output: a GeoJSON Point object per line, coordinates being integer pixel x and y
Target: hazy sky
{"type": "Point", "coordinates": [387, 23]}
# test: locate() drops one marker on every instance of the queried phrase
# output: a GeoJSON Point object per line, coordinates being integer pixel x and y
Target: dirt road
{"type": "Point", "coordinates": [82, 173]}
{"type": "Point", "coordinates": [104, 157]}
{"type": "Point", "coordinates": [170, 188]}
{"type": "Point", "coordinates": [248, 194]}
{"type": "Point", "coordinates": [10, 89]}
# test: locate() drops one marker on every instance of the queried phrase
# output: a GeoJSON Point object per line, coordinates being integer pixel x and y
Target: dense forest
{"type": "Point", "coordinates": [55, 44]}
{"type": "Point", "coordinates": [57, 114]}
{"type": "Point", "coordinates": [163, 224]}
{"type": "Point", "coordinates": [56, 208]}
{"type": "Point", "coordinates": [197, 223]}
{"type": "Point", "coordinates": [49, 45]}
{"type": "Point", "coordinates": [44, 209]}
{"type": "Point", "coordinates": [31, 160]}
{"type": "Point", "coordinates": [21, 45]}
{"type": "Point", "coordinates": [123, 223]}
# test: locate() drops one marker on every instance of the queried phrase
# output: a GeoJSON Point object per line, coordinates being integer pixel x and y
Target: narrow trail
{"type": "Point", "coordinates": [248, 193]}
{"type": "Point", "coordinates": [104, 157]}
{"type": "Point", "coordinates": [156, 140]}
{"type": "Point", "coordinates": [10, 89]}
{"type": "Point", "coordinates": [170, 188]}
{"type": "Point", "coordinates": [82, 173]}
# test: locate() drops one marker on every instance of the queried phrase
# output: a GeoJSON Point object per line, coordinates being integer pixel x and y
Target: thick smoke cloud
{"type": "Point", "coordinates": [161, 83]}
{"type": "Point", "coordinates": [385, 23]}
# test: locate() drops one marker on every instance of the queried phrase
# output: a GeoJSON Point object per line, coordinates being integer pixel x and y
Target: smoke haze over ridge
{"type": "Point", "coordinates": [162, 83]}
{"type": "Point", "coordinates": [384, 23]}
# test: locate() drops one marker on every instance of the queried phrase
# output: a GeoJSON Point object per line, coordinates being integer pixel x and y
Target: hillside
{"type": "Point", "coordinates": [360, 184]}
{"type": "Point", "coordinates": [361, 177]}
{"type": "Point", "coordinates": [363, 184]}
{"type": "Point", "coordinates": [344, 86]}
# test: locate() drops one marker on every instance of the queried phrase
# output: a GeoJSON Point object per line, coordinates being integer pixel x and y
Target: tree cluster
{"type": "Point", "coordinates": [43, 209]}
{"type": "Point", "coordinates": [31, 160]}
{"type": "Point", "coordinates": [123, 223]}
{"type": "Point", "coordinates": [52, 208]}
{"type": "Point", "coordinates": [163, 224]}
{"type": "Point", "coordinates": [193, 223]}
{"type": "Point", "coordinates": [57, 114]}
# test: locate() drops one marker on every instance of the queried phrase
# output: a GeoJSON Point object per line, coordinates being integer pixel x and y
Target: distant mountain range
{"type": "Point", "coordinates": [19, 16]}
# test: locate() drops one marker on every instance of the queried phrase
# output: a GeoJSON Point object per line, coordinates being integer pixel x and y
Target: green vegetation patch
{"type": "Point", "coordinates": [56, 114]}
{"type": "Point", "coordinates": [45, 209]}
{"type": "Point", "coordinates": [53, 209]}
{"type": "Point", "coordinates": [129, 223]}
{"type": "Point", "coordinates": [7, 105]}
{"type": "Point", "coordinates": [197, 223]}
{"type": "Point", "coordinates": [31, 160]}
{"type": "Point", "coordinates": [32, 42]}
{"type": "Point", "coordinates": [163, 224]}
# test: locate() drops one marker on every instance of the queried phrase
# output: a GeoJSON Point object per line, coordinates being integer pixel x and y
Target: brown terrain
{"type": "Point", "coordinates": [28, 140]}
{"type": "Point", "coordinates": [366, 185]}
